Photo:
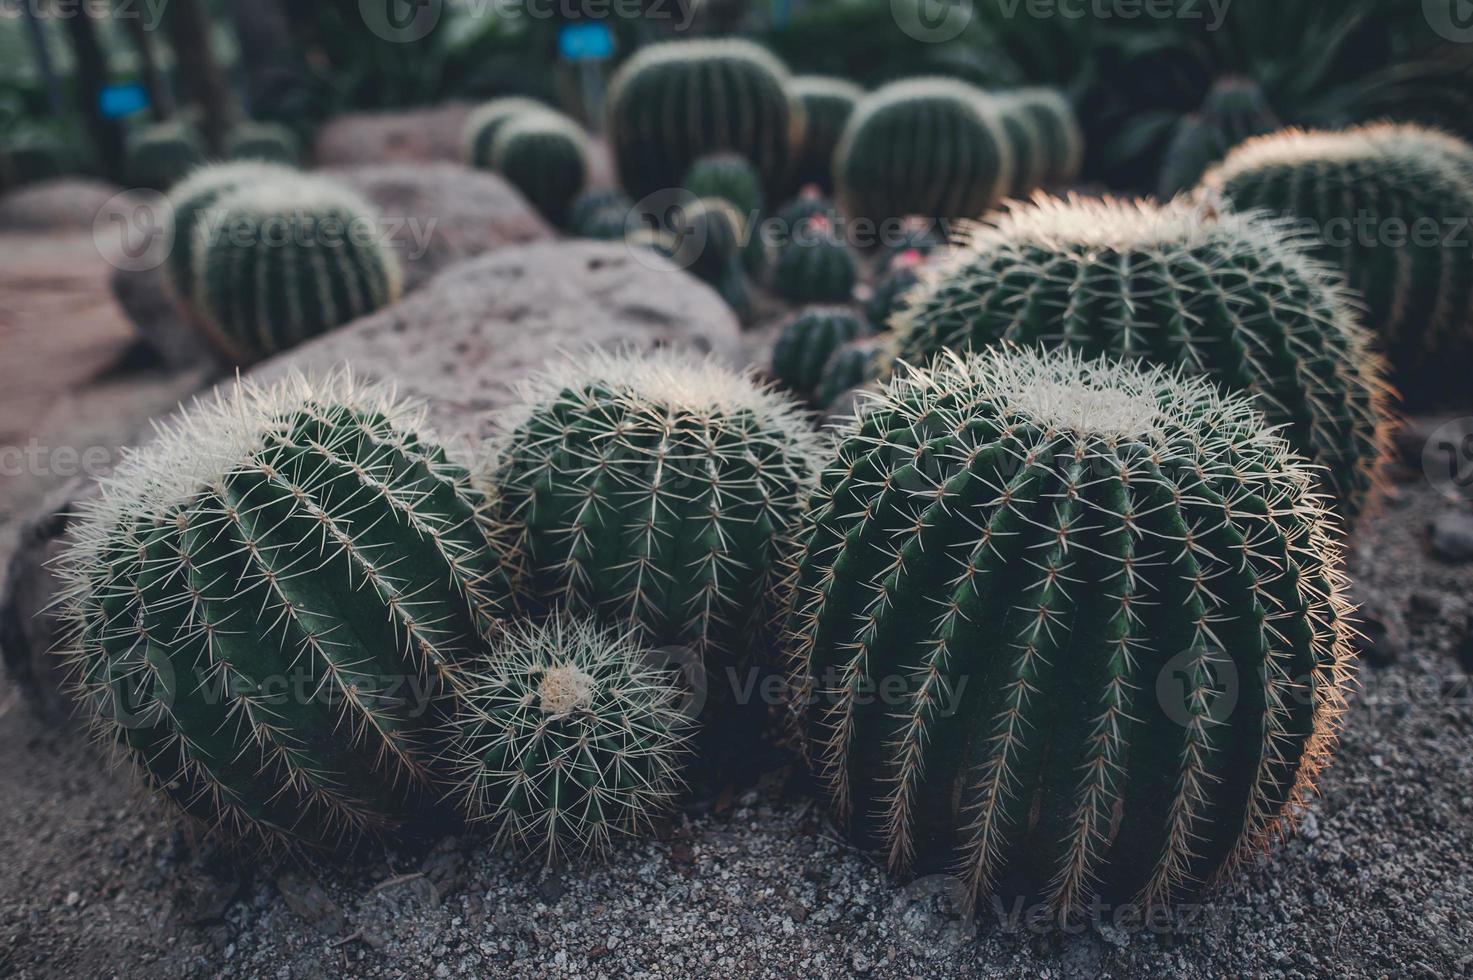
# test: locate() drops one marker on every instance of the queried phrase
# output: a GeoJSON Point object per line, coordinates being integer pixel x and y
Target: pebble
{"type": "Point", "coordinates": [1452, 536]}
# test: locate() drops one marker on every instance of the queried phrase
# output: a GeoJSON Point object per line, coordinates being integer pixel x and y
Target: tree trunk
{"type": "Point", "coordinates": [160, 99]}
{"type": "Point", "coordinates": [265, 40]}
{"type": "Point", "coordinates": [199, 72]}
{"type": "Point", "coordinates": [107, 134]}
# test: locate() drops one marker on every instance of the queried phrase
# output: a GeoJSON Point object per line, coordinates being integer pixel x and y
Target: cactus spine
{"type": "Point", "coordinates": [479, 134]}
{"type": "Point", "coordinates": [545, 156]}
{"type": "Point", "coordinates": [288, 260]}
{"type": "Point", "coordinates": [162, 154]}
{"type": "Point", "coordinates": [572, 739]}
{"type": "Point", "coordinates": [808, 341]}
{"type": "Point", "coordinates": [264, 606]}
{"type": "Point", "coordinates": [1110, 613]}
{"type": "Point", "coordinates": [675, 102]}
{"type": "Point", "coordinates": [827, 105]}
{"type": "Point", "coordinates": [269, 142]}
{"type": "Point", "coordinates": [660, 491]}
{"type": "Point", "coordinates": [1387, 204]}
{"type": "Point", "coordinates": [930, 146]}
{"type": "Point", "coordinates": [816, 266]}
{"type": "Point", "coordinates": [1233, 298]}
{"type": "Point", "coordinates": [1235, 110]}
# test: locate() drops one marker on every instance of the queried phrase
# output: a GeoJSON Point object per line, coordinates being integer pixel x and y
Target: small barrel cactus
{"type": "Point", "coordinates": [856, 363]}
{"type": "Point", "coordinates": [657, 490]}
{"type": "Point", "coordinates": [1109, 612]}
{"type": "Point", "coordinates": [285, 260]}
{"type": "Point", "coordinates": [162, 154]}
{"type": "Point", "coordinates": [269, 142]}
{"type": "Point", "coordinates": [915, 239]}
{"type": "Point", "coordinates": [888, 296]}
{"type": "Point", "coordinates": [675, 102]}
{"type": "Point", "coordinates": [808, 341]}
{"type": "Point", "coordinates": [545, 156]}
{"type": "Point", "coordinates": [1234, 298]}
{"type": "Point", "coordinates": [827, 105]}
{"type": "Point", "coordinates": [1387, 210]}
{"type": "Point", "coordinates": [1235, 110]}
{"type": "Point", "coordinates": [267, 605]}
{"type": "Point", "coordinates": [32, 154]}
{"type": "Point", "coordinates": [193, 201]}
{"type": "Point", "coordinates": [793, 217]}
{"type": "Point", "coordinates": [816, 266]}
{"type": "Point", "coordinates": [711, 243]}
{"type": "Point", "coordinates": [930, 146]}
{"type": "Point", "coordinates": [1030, 154]}
{"type": "Point", "coordinates": [601, 213]}
{"type": "Point", "coordinates": [1053, 121]}
{"type": "Point", "coordinates": [729, 177]}
{"type": "Point", "coordinates": [572, 738]}
{"type": "Point", "coordinates": [482, 125]}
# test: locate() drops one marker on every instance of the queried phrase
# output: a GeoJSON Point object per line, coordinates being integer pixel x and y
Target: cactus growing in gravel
{"type": "Point", "coordinates": [657, 490]}
{"type": "Point", "coordinates": [729, 177]}
{"type": "Point", "coordinates": [287, 259]}
{"type": "Point", "coordinates": [929, 146]}
{"type": "Point", "coordinates": [1391, 209]}
{"type": "Point", "coordinates": [675, 102]}
{"type": "Point", "coordinates": [571, 739]}
{"type": "Point", "coordinates": [265, 604]}
{"type": "Point", "coordinates": [481, 127]}
{"type": "Point", "coordinates": [270, 142]}
{"type": "Point", "coordinates": [852, 365]}
{"type": "Point", "coordinates": [827, 105]}
{"type": "Point", "coordinates": [1235, 110]}
{"type": "Point", "coordinates": [1109, 611]}
{"type": "Point", "coordinates": [162, 154]}
{"type": "Point", "coordinates": [1234, 298]}
{"type": "Point", "coordinates": [808, 341]}
{"type": "Point", "coordinates": [545, 156]}
{"type": "Point", "coordinates": [816, 266]}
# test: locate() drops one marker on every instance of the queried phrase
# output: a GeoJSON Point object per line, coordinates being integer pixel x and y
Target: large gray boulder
{"type": "Point", "coordinates": [408, 136]}
{"type": "Point", "coordinates": [64, 204]}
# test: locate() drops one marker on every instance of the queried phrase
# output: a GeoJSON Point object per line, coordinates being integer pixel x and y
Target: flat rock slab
{"type": "Point", "coordinates": [67, 204]}
{"type": "Point", "coordinates": [411, 136]}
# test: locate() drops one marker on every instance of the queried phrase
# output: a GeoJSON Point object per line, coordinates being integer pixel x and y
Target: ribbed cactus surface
{"type": "Point", "coordinates": [827, 105]}
{"type": "Point", "coordinates": [816, 266]}
{"type": "Point", "coordinates": [1234, 298]}
{"type": "Point", "coordinates": [1234, 111]}
{"type": "Point", "coordinates": [284, 260]}
{"type": "Point", "coordinates": [570, 738]}
{"type": "Point", "coordinates": [1389, 206]}
{"type": "Point", "coordinates": [1067, 629]}
{"type": "Point", "coordinates": [932, 147]}
{"type": "Point", "coordinates": [162, 154]}
{"type": "Point", "coordinates": [730, 178]}
{"type": "Point", "coordinates": [481, 126]}
{"type": "Point", "coordinates": [269, 142]}
{"type": "Point", "coordinates": [265, 603]}
{"type": "Point", "coordinates": [856, 363]}
{"type": "Point", "coordinates": [1051, 117]}
{"type": "Point", "coordinates": [808, 341]}
{"type": "Point", "coordinates": [711, 241]}
{"type": "Point", "coordinates": [656, 490]}
{"type": "Point", "coordinates": [675, 102]}
{"type": "Point", "coordinates": [545, 156]}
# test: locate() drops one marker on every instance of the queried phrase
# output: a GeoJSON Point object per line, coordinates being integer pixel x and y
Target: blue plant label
{"type": "Point", "coordinates": [589, 41]}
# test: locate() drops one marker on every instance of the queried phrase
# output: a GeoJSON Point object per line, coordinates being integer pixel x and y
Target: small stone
{"type": "Point", "coordinates": [1452, 536]}
{"type": "Point", "coordinates": [552, 889]}
{"type": "Point", "coordinates": [307, 899]}
{"type": "Point", "coordinates": [1424, 603]}
{"type": "Point", "coordinates": [73, 899]}
{"type": "Point", "coordinates": [1382, 637]}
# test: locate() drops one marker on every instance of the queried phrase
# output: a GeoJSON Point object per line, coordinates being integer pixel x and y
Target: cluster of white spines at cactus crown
{"type": "Point", "coordinates": [237, 172]}
{"type": "Point", "coordinates": [1375, 141]}
{"type": "Point", "coordinates": [544, 121]}
{"type": "Point", "coordinates": [704, 49]}
{"type": "Point", "coordinates": [505, 107]}
{"type": "Point", "coordinates": [825, 85]}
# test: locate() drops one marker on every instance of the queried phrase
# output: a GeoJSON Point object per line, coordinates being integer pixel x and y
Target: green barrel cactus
{"type": "Point", "coordinates": [932, 147]}
{"type": "Point", "coordinates": [1107, 610]}
{"type": "Point", "coordinates": [1025, 141]}
{"type": "Point", "coordinates": [816, 266]}
{"type": "Point", "coordinates": [656, 490]}
{"type": "Point", "coordinates": [1391, 212]}
{"type": "Point", "coordinates": [1234, 111]}
{"type": "Point", "coordinates": [601, 213]}
{"type": "Point", "coordinates": [827, 105]}
{"type": "Point", "coordinates": [193, 202]}
{"type": "Point", "coordinates": [677, 101]}
{"type": "Point", "coordinates": [856, 363]}
{"type": "Point", "coordinates": [268, 604]}
{"type": "Point", "coordinates": [270, 142]}
{"type": "Point", "coordinates": [569, 739]}
{"type": "Point", "coordinates": [729, 177]}
{"type": "Point", "coordinates": [807, 342]}
{"type": "Point", "coordinates": [479, 133]}
{"type": "Point", "coordinates": [889, 294]}
{"type": "Point", "coordinates": [810, 202]}
{"type": "Point", "coordinates": [1052, 120]}
{"type": "Point", "coordinates": [1234, 298]}
{"type": "Point", "coordinates": [285, 260]}
{"type": "Point", "coordinates": [545, 156]}
{"type": "Point", "coordinates": [161, 155]}
{"type": "Point", "coordinates": [710, 240]}
{"type": "Point", "coordinates": [916, 240]}
{"type": "Point", "coordinates": [31, 154]}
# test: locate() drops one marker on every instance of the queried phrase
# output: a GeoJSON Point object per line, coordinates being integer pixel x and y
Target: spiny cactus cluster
{"type": "Point", "coordinates": [1390, 206]}
{"type": "Point", "coordinates": [270, 142]}
{"type": "Point", "coordinates": [675, 102]}
{"type": "Point", "coordinates": [730, 178]}
{"type": "Point", "coordinates": [929, 146]}
{"type": "Point", "coordinates": [1234, 298]}
{"type": "Point", "coordinates": [284, 259]}
{"type": "Point", "coordinates": [816, 266]}
{"type": "Point", "coordinates": [1109, 610]}
{"type": "Point", "coordinates": [808, 341]}
{"type": "Point", "coordinates": [827, 105]}
{"type": "Point", "coordinates": [544, 155]}
{"type": "Point", "coordinates": [1235, 110]}
{"type": "Point", "coordinates": [162, 154]}
{"type": "Point", "coordinates": [659, 491]}
{"type": "Point", "coordinates": [264, 607]}
{"type": "Point", "coordinates": [567, 739]}
{"type": "Point", "coordinates": [481, 127]}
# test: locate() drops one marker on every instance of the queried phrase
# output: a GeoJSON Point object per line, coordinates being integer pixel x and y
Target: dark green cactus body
{"type": "Point", "coordinates": [890, 292]}
{"type": "Point", "coordinates": [545, 156]}
{"type": "Point", "coordinates": [675, 102]}
{"type": "Point", "coordinates": [268, 142]}
{"type": "Point", "coordinates": [815, 267]}
{"type": "Point", "coordinates": [481, 127]}
{"type": "Point", "coordinates": [916, 240]}
{"type": "Point", "coordinates": [729, 177]}
{"type": "Point", "coordinates": [1029, 154]}
{"type": "Point", "coordinates": [162, 154]}
{"type": "Point", "coordinates": [827, 105]}
{"type": "Point", "coordinates": [931, 147]}
{"type": "Point", "coordinates": [266, 605]}
{"type": "Point", "coordinates": [658, 491]}
{"type": "Point", "coordinates": [1051, 120]}
{"type": "Point", "coordinates": [1067, 629]}
{"type": "Point", "coordinates": [1387, 210]}
{"type": "Point", "coordinates": [850, 366]}
{"type": "Point", "coordinates": [33, 154]}
{"type": "Point", "coordinates": [711, 243]}
{"type": "Point", "coordinates": [1235, 110]}
{"type": "Point", "coordinates": [287, 261]}
{"type": "Point", "coordinates": [575, 741]}
{"type": "Point", "coordinates": [1235, 299]}
{"type": "Point", "coordinates": [808, 341]}
{"type": "Point", "coordinates": [594, 213]}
